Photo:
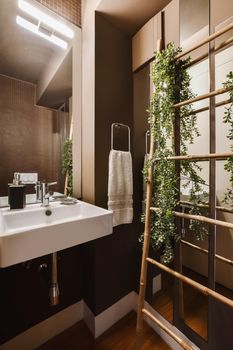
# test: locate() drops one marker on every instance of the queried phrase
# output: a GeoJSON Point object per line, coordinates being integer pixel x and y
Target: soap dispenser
{"type": "Point", "coordinates": [16, 193]}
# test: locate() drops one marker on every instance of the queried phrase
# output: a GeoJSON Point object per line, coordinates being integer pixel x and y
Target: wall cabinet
{"type": "Point", "coordinates": [172, 23]}
{"type": "Point", "coordinates": [145, 41]}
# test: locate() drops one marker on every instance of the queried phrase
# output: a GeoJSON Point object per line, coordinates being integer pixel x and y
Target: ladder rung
{"type": "Point", "coordinates": [200, 218]}
{"type": "Point", "coordinates": [203, 289]}
{"type": "Point", "coordinates": [206, 251]}
{"type": "Point", "coordinates": [202, 97]}
{"type": "Point", "coordinates": [205, 41]}
{"type": "Point", "coordinates": [180, 341]}
{"type": "Point", "coordinates": [194, 157]}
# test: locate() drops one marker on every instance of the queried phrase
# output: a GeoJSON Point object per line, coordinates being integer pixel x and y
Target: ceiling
{"type": "Point", "coordinates": [24, 55]}
{"type": "Point", "coordinates": [59, 86]}
{"type": "Point", "coordinates": [130, 15]}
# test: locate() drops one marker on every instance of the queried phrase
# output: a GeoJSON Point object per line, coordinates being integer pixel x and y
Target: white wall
{"type": "Point", "coordinates": [88, 99]}
{"type": "Point", "coordinates": [77, 112]}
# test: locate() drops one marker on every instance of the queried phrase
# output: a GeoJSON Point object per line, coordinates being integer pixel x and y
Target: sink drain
{"type": "Point", "coordinates": [48, 212]}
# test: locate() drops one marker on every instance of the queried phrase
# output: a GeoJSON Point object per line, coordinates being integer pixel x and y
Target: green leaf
{"type": "Point", "coordinates": [171, 85]}
{"type": "Point", "coordinates": [67, 165]}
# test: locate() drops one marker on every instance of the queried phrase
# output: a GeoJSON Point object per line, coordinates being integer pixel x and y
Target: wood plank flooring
{"type": "Point", "coordinates": [195, 305]}
{"type": "Point", "coordinates": [120, 337]}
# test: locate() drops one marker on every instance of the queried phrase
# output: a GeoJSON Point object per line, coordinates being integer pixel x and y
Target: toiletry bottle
{"type": "Point", "coordinates": [16, 193]}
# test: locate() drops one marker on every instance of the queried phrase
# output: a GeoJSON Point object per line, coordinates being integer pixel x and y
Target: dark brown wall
{"type": "Point", "coordinates": [69, 9]}
{"type": "Point", "coordinates": [24, 292]}
{"type": "Point", "coordinates": [141, 101]}
{"type": "Point", "coordinates": [31, 137]}
{"type": "Point", "coordinates": [113, 97]}
{"type": "Point", "coordinates": [110, 261]}
{"type": "Point", "coordinates": [141, 90]}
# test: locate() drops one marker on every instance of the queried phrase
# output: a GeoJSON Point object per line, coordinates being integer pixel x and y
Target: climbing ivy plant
{"type": "Point", "coordinates": [67, 165]}
{"type": "Point", "coordinates": [228, 119]}
{"type": "Point", "coordinates": [171, 85]}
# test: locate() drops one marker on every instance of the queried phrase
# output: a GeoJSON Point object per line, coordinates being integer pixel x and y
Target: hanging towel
{"type": "Point", "coordinates": [146, 157]}
{"type": "Point", "coordinates": [120, 187]}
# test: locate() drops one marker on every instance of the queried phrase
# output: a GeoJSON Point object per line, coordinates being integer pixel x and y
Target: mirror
{"type": "Point", "coordinates": [194, 253]}
{"type": "Point", "coordinates": [38, 56]}
{"type": "Point", "coordinates": [224, 236]}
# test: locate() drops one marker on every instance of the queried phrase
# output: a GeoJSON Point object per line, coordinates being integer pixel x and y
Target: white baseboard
{"type": "Point", "coordinates": [45, 330]}
{"type": "Point", "coordinates": [114, 313]}
{"type": "Point", "coordinates": [100, 323]}
{"type": "Point", "coordinates": [89, 318]}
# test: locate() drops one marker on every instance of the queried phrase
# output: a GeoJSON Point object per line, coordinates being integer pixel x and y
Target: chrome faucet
{"type": "Point", "coordinates": [43, 194]}
{"type": "Point", "coordinates": [38, 191]}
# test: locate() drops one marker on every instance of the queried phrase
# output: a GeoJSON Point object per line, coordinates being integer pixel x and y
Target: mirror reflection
{"type": "Point", "coordinates": [35, 94]}
{"type": "Point", "coordinates": [193, 253]}
{"type": "Point", "coordinates": [224, 236]}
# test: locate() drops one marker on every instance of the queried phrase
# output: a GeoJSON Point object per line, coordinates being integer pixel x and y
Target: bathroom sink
{"type": "Point", "coordinates": [29, 233]}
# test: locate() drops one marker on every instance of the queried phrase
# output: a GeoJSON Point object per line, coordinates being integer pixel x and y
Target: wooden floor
{"type": "Point", "coordinates": [120, 337]}
{"type": "Point", "coordinates": [195, 309]}
{"type": "Point", "coordinates": [195, 303]}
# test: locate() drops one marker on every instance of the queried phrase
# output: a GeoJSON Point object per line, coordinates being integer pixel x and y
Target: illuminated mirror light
{"type": "Point", "coordinates": [43, 17]}
{"type": "Point", "coordinates": [34, 29]}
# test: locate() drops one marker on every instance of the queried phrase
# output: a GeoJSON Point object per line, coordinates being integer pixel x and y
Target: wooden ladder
{"type": "Point", "coordinates": [145, 256]}
{"type": "Point", "coordinates": [141, 312]}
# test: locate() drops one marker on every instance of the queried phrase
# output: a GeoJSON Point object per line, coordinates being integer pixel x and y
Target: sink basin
{"type": "Point", "coordinates": [29, 233]}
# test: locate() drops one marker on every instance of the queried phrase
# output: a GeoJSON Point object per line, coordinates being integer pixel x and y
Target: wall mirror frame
{"type": "Point", "coordinates": [34, 66]}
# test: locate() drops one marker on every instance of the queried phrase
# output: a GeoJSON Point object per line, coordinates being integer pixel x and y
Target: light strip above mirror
{"type": "Point", "coordinates": [35, 29]}
{"type": "Point", "coordinates": [48, 20]}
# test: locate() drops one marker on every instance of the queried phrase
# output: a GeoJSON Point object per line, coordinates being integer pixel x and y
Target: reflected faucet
{"type": "Point", "coordinates": [43, 192]}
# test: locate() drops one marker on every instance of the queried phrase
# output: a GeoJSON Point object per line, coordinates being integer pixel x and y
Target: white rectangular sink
{"type": "Point", "coordinates": [29, 233]}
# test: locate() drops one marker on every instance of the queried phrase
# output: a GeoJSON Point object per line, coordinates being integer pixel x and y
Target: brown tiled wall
{"type": "Point", "coordinates": [31, 137]}
{"type": "Point", "coordinates": [69, 9]}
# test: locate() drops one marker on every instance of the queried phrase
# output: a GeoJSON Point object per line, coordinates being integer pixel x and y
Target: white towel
{"type": "Point", "coordinates": [120, 187]}
{"type": "Point", "coordinates": [146, 157]}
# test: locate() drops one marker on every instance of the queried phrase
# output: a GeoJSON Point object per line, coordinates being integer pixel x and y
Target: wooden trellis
{"type": "Point", "coordinates": [211, 220]}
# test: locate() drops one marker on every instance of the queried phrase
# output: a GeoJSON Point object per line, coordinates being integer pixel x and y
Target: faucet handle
{"type": "Point", "coordinates": [49, 193]}
{"type": "Point", "coordinates": [38, 191]}
{"type": "Point", "coordinates": [51, 183]}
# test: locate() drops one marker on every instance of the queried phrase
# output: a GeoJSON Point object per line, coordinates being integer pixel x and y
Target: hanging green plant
{"type": "Point", "coordinates": [67, 166]}
{"type": "Point", "coordinates": [228, 119]}
{"type": "Point", "coordinates": [171, 85]}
